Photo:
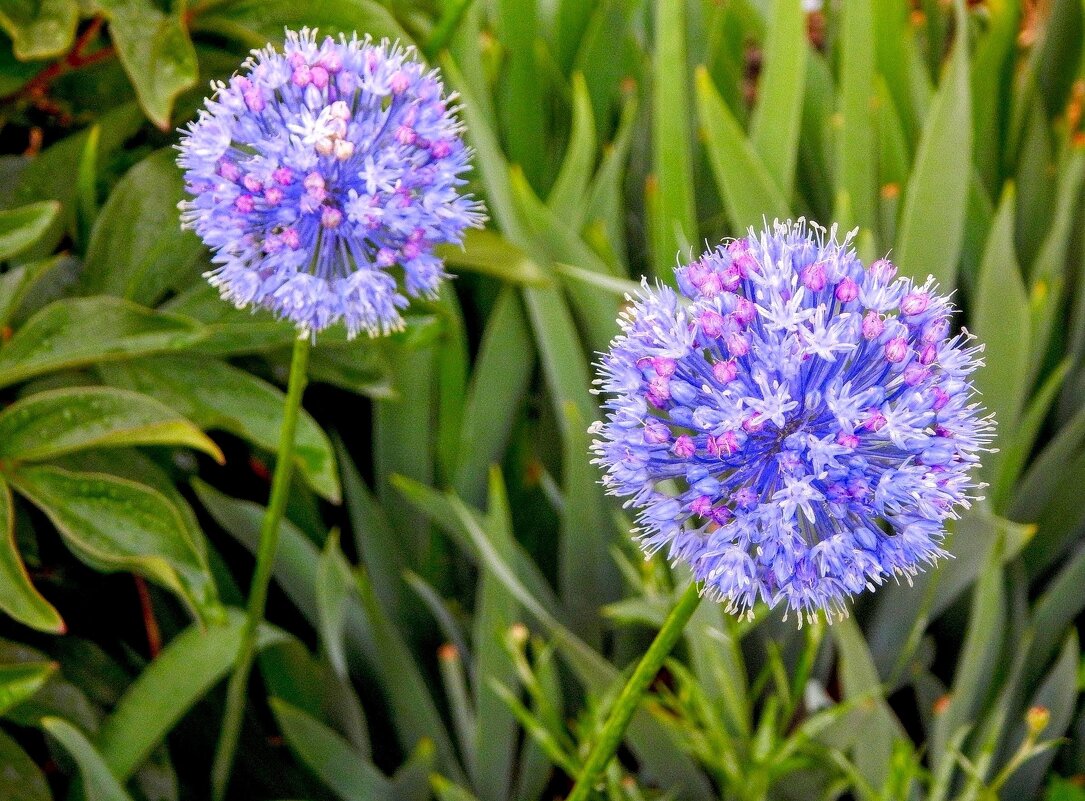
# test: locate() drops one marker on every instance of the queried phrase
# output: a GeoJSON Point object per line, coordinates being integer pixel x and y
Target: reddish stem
{"type": "Point", "coordinates": [154, 636]}
{"type": "Point", "coordinates": [76, 58]}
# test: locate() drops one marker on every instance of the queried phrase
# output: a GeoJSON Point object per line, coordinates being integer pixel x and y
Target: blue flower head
{"type": "Point", "coordinates": [319, 172]}
{"type": "Point", "coordinates": [795, 426]}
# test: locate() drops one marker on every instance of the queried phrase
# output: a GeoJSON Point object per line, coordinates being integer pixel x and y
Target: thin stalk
{"type": "Point", "coordinates": [629, 698]}
{"type": "Point", "coordinates": [265, 562]}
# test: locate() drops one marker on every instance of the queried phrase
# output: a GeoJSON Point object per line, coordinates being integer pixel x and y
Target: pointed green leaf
{"type": "Point", "coordinates": [216, 395]}
{"type": "Point", "coordinates": [932, 221]}
{"type": "Point", "coordinates": [748, 191]}
{"type": "Point", "coordinates": [114, 524]}
{"type": "Point", "coordinates": [774, 130]}
{"type": "Point", "coordinates": [98, 783]}
{"type": "Point", "coordinates": [22, 227]}
{"type": "Point", "coordinates": [61, 421]}
{"type": "Point", "coordinates": [188, 667]}
{"type": "Point", "coordinates": [18, 597]}
{"type": "Point", "coordinates": [856, 169]}
{"type": "Point", "coordinates": [78, 331]}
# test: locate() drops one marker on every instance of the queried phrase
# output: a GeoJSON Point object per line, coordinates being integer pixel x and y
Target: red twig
{"type": "Point", "coordinates": [154, 636]}
{"type": "Point", "coordinates": [77, 57]}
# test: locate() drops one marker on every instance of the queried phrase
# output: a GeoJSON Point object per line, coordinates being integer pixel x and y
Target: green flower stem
{"type": "Point", "coordinates": [265, 562]}
{"type": "Point", "coordinates": [629, 698]}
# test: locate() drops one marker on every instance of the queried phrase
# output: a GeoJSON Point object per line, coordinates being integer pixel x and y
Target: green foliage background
{"type": "Point", "coordinates": [455, 601]}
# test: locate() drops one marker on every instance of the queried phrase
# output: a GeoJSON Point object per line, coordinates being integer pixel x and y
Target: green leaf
{"type": "Point", "coordinates": [216, 395]}
{"type": "Point", "coordinates": [932, 222]}
{"type": "Point", "coordinates": [18, 597]}
{"type": "Point", "coordinates": [21, 779]}
{"type": "Point", "coordinates": [40, 29]}
{"type": "Point", "coordinates": [982, 646]}
{"type": "Point", "coordinates": [114, 524]}
{"type": "Point", "coordinates": [186, 669]}
{"type": "Point", "coordinates": [350, 776]}
{"type": "Point", "coordinates": [61, 421]}
{"type": "Point", "coordinates": [873, 725]}
{"type": "Point", "coordinates": [18, 282]}
{"type": "Point", "coordinates": [156, 53]}
{"type": "Point", "coordinates": [520, 107]}
{"type": "Point", "coordinates": [676, 223]}
{"type": "Point", "coordinates": [499, 383]}
{"type": "Point", "coordinates": [22, 227]}
{"type": "Point", "coordinates": [20, 681]}
{"type": "Point", "coordinates": [137, 249]}
{"type": "Point", "coordinates": [79, 331]}
{"type": "Point", "coordinates": [332, 588]}
{"type": "Point", "coordinates": [856, 168]}
{"type": "Point", "coordinates": [748, 191]}
{"type": "Point", "coordinates": [489, 253]}
{"type": "Point", "coordinates": [774, 129]}
{"type": "Point", "coordinates": [1000, 317]}
{"type": "Point", "coordinates": [98, 783]}
{"type": "Point", "coordinates": [265, 20]}
{"type": "Point", "coordinates": [495, 730]}
{"type": "Point", "coordinates": [566, 198]}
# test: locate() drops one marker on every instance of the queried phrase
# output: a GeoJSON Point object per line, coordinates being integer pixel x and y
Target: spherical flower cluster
{"type": "Point", "coordinates": [317, 171]}
{"type": "Point", "coordinates": [797, 428]}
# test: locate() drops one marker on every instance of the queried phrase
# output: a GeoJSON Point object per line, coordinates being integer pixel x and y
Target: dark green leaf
{"type": "Point", "coordinates": [18, 597]}
{"type": "Point", "coordinates": [76, 332]}
{"type": "Point", "coordinates": [22, 227]}
{"type": "Point", "coordinates": [40, 29]}
{"type": "Point", "coordinates": [115, 524]}
{"type": "Point", "coordinates": [21, 779]}
{"type": "Point", "coordinates": [156, 53]}
{"type": "Point", "coordinates": [60, 421]}
{"type": "Point", "coordinates": [216, 395]}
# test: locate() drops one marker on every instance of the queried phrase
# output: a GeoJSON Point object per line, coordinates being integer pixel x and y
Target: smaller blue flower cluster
{"type": "Point", "coordinates": [797, 427]}
{"type": "Point", "coordinates": [317, 171]}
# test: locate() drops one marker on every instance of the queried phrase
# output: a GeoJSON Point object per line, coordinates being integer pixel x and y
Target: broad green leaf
{"type": "Point", "coordinates": [488, 253]}
{"type": "Point", "coordinates": [932, 221]}
{"type": "Point", "coordinates": [22, 227]}
{"type": "Point", "coordinates": [856, 170]}
{"type": "Point", "coordinates": [18, 596]}
{"type": "Point", "coordinates": [774, 129]}
{"type": "Point", "coordinates": [60, 421]}
{"type": "Point", "coordinates": [1000, 319]}
{"type": "Point", "coordinates": [156, 53]}
{"type": "Point", "coordinates": [349, 774]}
{"type": "Point", "coordinates": [1058, 57]}
{"type": "Point", "coordinates": [567, 196]}
{"type": "Point", "coordinates": [748, 191]}
{"type": "Point", "coordinates": [20, 681]}
{"type": "Point", "coordinates": [216, 395]}
{"type": "Point", "coordinates": [675, 222]}
{"type": "Point", "coordinates": [137, 249]}
{"type": "Point", "coordinates": [39, 29]}
{"type": "Point", "coordinates": [98, 783]}
{"type": "Point", "coordinates": [114, 524]}
{"type": "Point", "coordinates": [992, 78]}
{"type": "Point", "coordinates": [21, 779]}
{"type": "Point", "coordinates": [186, 670]}
{"type": "Point", "coordinates": [79, 331]}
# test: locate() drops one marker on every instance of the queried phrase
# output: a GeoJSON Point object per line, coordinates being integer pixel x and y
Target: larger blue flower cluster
{"type": "Point", "coordinates": [797, 427]}
{"type": "Point", "coordinates": [317, 171]}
